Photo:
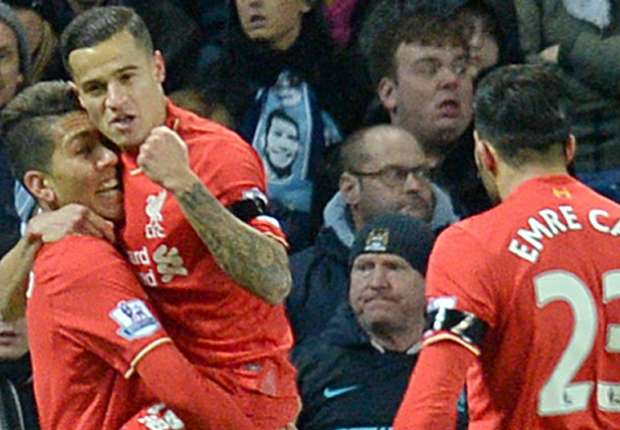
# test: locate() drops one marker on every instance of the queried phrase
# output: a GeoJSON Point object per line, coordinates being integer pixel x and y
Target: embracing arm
{"type": "Point", "coordinates": [256, 261]}
{"type": "Point", "coordinates": [14, 269]}
{"type": "Point", "coordinates": [45, 227]}
{"type": "Point", "coordinates": [200, 402]}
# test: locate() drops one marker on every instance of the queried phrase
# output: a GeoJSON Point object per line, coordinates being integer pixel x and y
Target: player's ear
{"type": "Point", "coordinates": [350, 188]}
{"type": "Point", "coordinates": [485, 154]}
{"type": "Point", "coordinates": [159, 66]}
{"type": "Point", "coordinates": [41, 188]}
{"type": "Point", "coordinates": [570, 149]}
{"type": "Point", "coordinates": [76, 92]}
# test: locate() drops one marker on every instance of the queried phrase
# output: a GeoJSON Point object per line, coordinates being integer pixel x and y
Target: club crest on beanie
{"type": "Point", "coordinates": [398, 234]}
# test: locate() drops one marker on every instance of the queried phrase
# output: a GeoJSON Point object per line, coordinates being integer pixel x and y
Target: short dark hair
{"type": "Point", "coordinates": [280, 113]}
{"type": "Point", "coordinates": [25, 124]}
{"type": "Point", "coordinates": [99, 24]}
{"type": "Point", "coordinates": [9, 18]}
{"type": "Point", "coordinates": [524, 112]}
{"type": "Point", "coordinates": [419, 28]}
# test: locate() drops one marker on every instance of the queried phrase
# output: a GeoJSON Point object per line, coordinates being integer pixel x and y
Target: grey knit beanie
{"type": "Point", "coordinates": [398, 234]}
{"type": "Point", "coordinates": [10, 19]}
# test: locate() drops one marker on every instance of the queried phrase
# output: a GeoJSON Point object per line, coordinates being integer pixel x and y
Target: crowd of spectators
{"type": "Point", "coordinates": [357, 109]}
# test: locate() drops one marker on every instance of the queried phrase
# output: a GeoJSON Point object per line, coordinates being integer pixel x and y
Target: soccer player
{"type": "Point", "coordinates": [524, 299]}
{"type": "Point", "coordinates": [196, 233]}
{"type": "Point", "coordinates": [90, 324]}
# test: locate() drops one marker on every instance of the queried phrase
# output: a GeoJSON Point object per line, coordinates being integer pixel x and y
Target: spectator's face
{"type": "Point", "coordinates": [84, 170]}
{"type": "Point", "coordinates": [483, 48]}
{"type": "Point", "coordinates": [282, 143]}
{"type": "Point", "coordinates": [10, 76]}
{"type": "Point", "coordinates": [13, 339]}
{"type": "Point", "coordinates": [386, 293]}
{"type": "Point", "coordinates": [277, 22]}
{"type": "Point", "coordinates": [79, 6]}
{"type": "Point", "coordinates": [431, 96]}
{"type": "Point", "coordinates": [120, 85]}
{"type": "Point", "coordinates": [395, 189]}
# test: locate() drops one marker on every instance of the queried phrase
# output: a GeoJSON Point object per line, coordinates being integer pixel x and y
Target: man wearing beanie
{"type": "Point", "coordinates": [355, 373]}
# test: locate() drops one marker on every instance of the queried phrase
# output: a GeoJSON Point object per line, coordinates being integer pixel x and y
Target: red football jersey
{"type": "Point", "coordinates": [543, 271]}
{"type": "Point", "coordinates": [88, 325]}
{"type": "Point", "coordinates": [214, 322]}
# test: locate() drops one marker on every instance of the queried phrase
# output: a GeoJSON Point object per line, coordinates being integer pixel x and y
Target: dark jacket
{"type": "Point", "coordinates": [9, 222]}
{"type": "Point", "coordinates": [18, 409]}
{"type": "Point", "coordinates": [346, 382]}
{"type": "Point", "coordinates": [589, 60]}
{"type": "Point", "coordinates": [320, 283]}
{"type": "Point", "coordinates": [458, 175]}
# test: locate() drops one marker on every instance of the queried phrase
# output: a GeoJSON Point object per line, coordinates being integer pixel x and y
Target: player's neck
{"type": "Point", "coordinates": [512, 178]}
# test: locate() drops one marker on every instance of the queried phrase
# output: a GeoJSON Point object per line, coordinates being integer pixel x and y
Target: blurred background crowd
{"type": "Point", "coordinates": [336, 96]}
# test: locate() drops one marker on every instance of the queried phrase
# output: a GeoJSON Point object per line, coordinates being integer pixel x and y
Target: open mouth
{"type": "Point", "coordinates": [111, 186]}
{"type": "Point", "coordinates": [257, 21]}
{"type": "Point", "coordinates": [122, 122]}
{"type": "Point", "coordinates": [450, 108]}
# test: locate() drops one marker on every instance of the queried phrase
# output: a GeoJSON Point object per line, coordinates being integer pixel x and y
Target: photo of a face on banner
{"type": "Point", "coordinates": [282, 145]}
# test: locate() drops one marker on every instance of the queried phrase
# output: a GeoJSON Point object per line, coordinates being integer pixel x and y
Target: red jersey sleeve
{"type": "Point", "coordinates": [97, 301]}
{"type": "Point", "coordinates": [235, 174]}
{"type": "Point", "coordinates": [434, 388]}
{"type": "Point", "coordinates": [460, 299]}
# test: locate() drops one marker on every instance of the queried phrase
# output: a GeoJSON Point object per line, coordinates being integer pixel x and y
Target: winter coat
{"type": "Point", "coordinates": [347, 382]}
{"type": "Point", "coordinates": [589, 60]}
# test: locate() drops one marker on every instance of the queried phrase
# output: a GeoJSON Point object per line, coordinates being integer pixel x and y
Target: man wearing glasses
{"type": "Point", "coordinates": [384, 170]}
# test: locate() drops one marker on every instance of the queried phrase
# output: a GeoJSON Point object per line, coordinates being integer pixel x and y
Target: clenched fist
{"type": "Point", "coordinates": [164, 158]}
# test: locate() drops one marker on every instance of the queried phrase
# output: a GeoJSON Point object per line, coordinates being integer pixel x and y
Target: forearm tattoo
{"type": "Point", "coordinates": [257, 262]}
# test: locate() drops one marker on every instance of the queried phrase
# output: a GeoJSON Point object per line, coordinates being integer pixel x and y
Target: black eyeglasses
{"type": "Point", "coordinates": [396, 176]}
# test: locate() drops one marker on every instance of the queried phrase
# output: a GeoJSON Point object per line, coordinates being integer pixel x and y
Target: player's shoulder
{"type": "Point", "coordinates": [75, 256]}
{"type": "Point", "coordinates": [206, 133]}
{"type": "Point", "coordinates": [77, 246]}
{"type": "Point", "coordinates": [468, 229]}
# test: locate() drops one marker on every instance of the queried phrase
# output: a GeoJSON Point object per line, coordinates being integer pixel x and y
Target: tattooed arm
{"type": "Point", "coordinates": [253, 259]}
{"type": "Point", "coordinates": [256, 261]}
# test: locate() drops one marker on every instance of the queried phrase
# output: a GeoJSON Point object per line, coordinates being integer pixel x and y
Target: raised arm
{"type": "Point", "coordinates": [45, 227]}
{"type": "Point", "coordinates": [255, 260]}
